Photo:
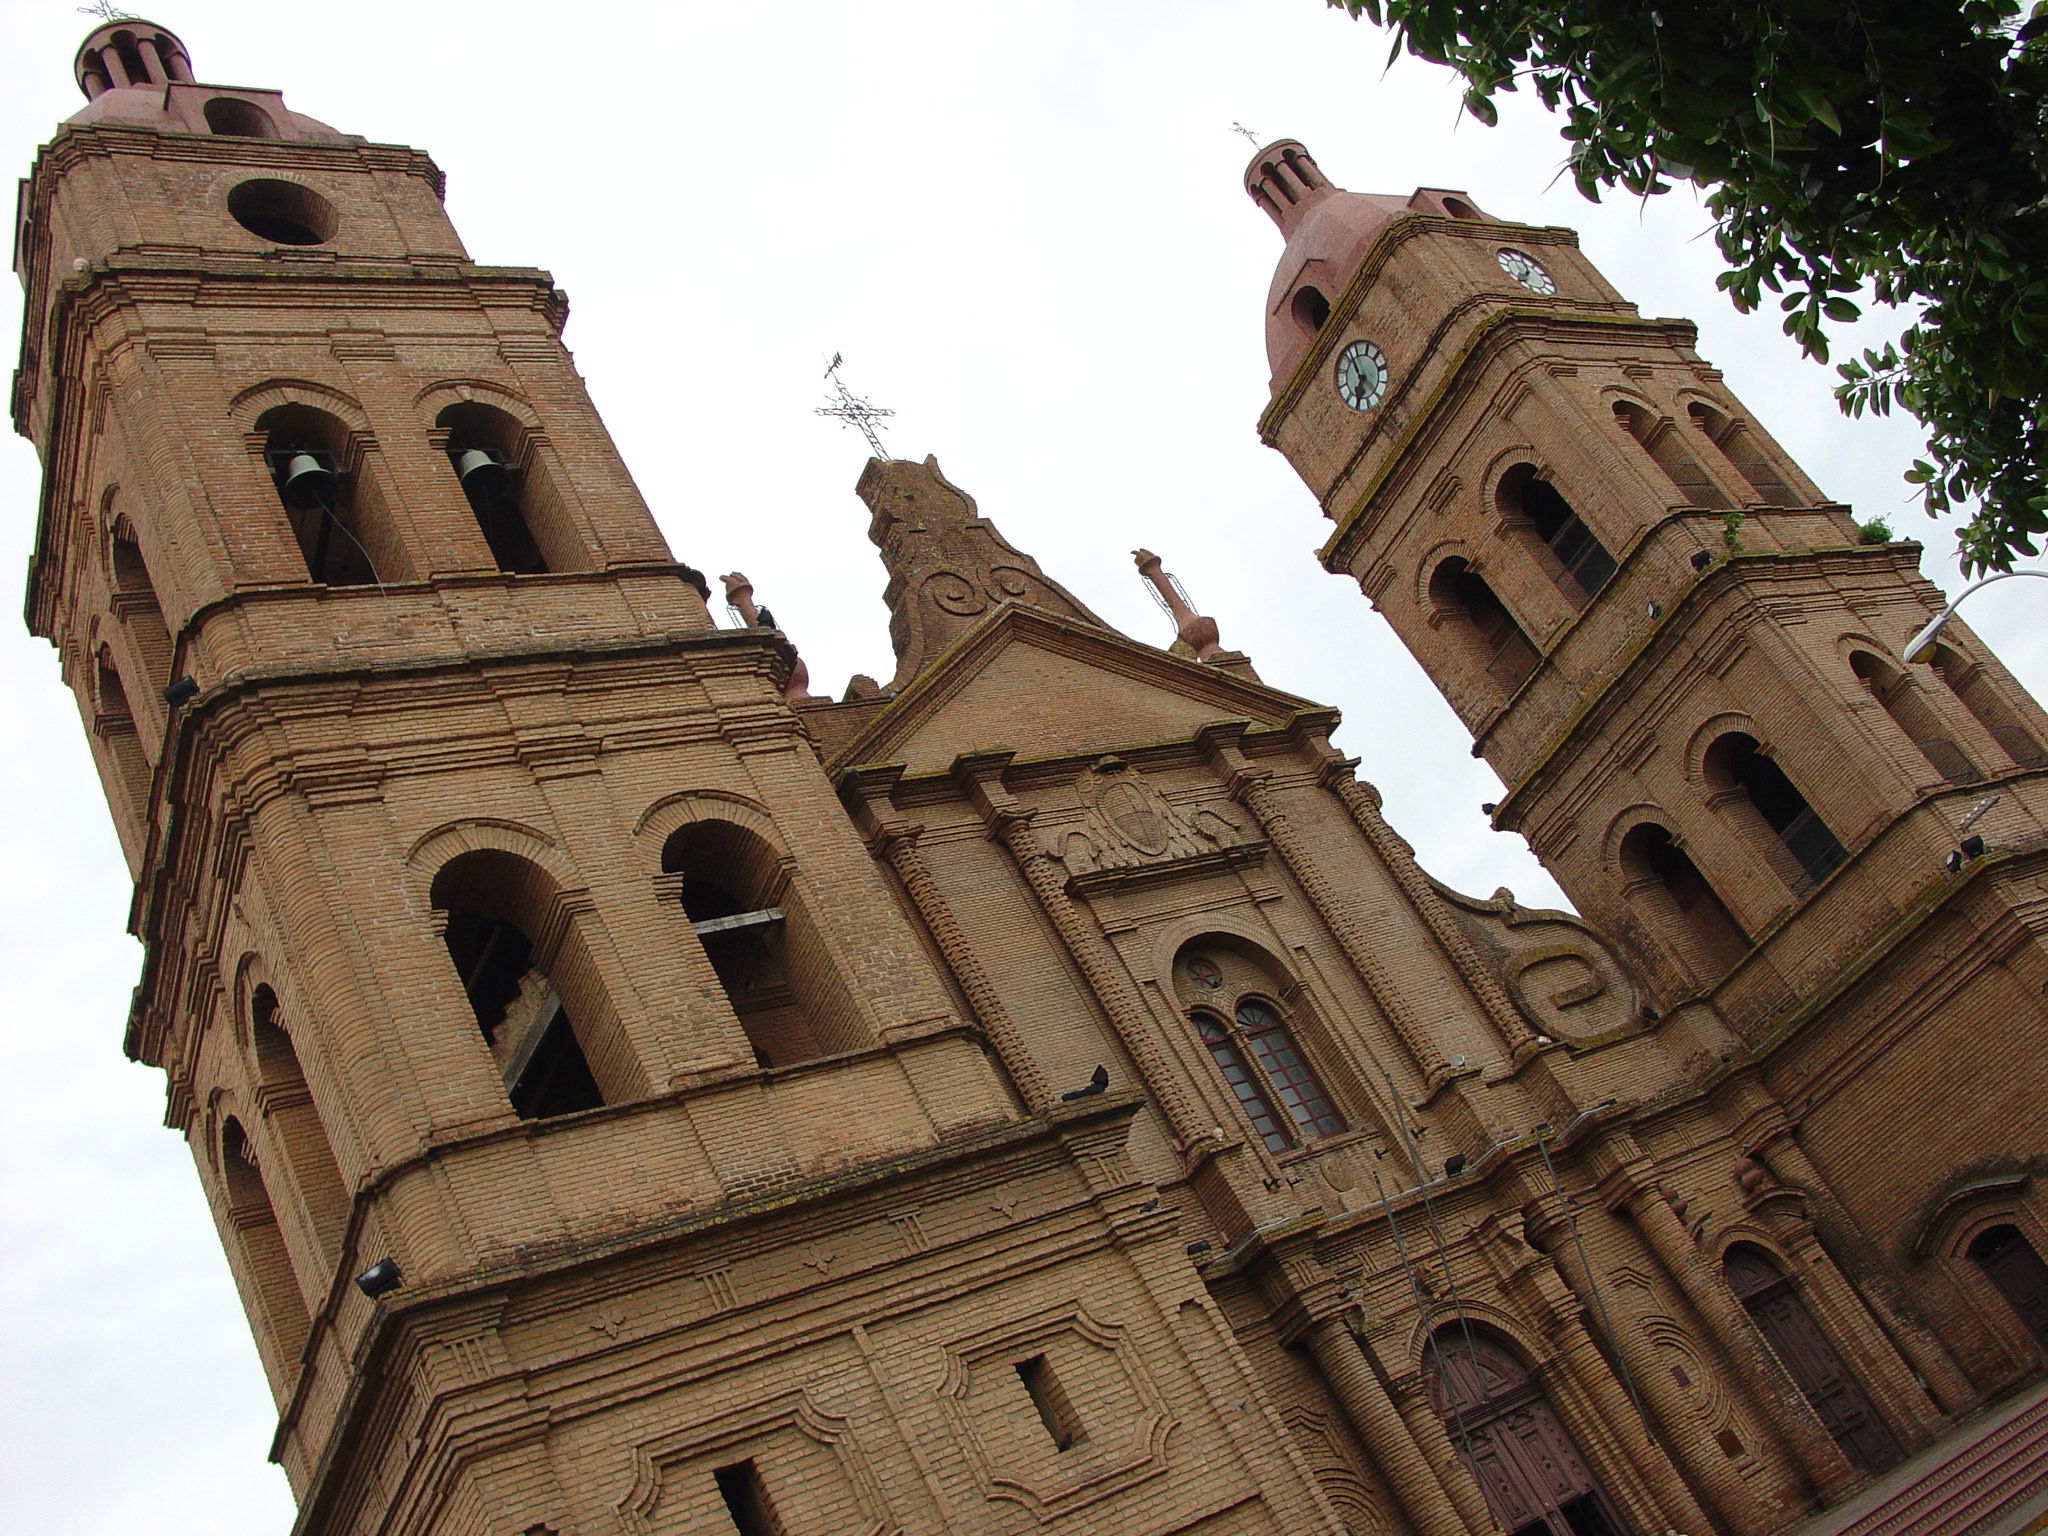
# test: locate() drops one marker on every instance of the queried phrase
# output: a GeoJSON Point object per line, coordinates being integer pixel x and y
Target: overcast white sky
{"type": "Point", "coordinates": [1022, 225]}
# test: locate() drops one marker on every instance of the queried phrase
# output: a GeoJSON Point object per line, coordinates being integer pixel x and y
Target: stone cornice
{"type": "Point", "coordinates": [1626, 677]}
{"type": "Point", "coordinates": [1491, 336]}
{"type": "Point", "coordinates": [76, 143]}
{"type": "Point", "coordinates": [405, 1312]}
{"type": "Point", "coordinates": [1405, 227]}
{"type": "Point", "coordinates": [156, 896]}
{"type": "Point", "coordinates": [1113, 652]}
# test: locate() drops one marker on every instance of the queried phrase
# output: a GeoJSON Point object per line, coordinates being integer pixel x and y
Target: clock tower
{"type": "Point", "coordinates": [1824, 860]}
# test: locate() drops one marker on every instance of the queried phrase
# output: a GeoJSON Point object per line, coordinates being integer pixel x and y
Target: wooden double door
{"type": "Point", "coordinates": [1814, 1365]}
{"type": "Point", "coordinates": [2011, 1264]}
{"type": "Point", "coordinates": [1509, 1436]}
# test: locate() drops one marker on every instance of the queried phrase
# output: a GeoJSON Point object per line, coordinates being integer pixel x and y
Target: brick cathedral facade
{"type": "Point", "coordinates": [637, 1095]}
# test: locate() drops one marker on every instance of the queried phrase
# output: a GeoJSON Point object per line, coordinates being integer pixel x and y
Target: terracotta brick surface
{"type": "Point", "coordinates": [1045, 849]}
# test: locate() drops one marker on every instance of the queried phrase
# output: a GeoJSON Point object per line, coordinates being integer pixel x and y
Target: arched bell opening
{"type": "Point", "coordinates": [1310, 308]}
{"type": "Point", "coordinates": [536, 993]}
{"type": "Point", "coordinates": [113, 724]}
{"type": "Point", "coordinates": [1659, 438]}
{"type": "Point", "coordinates": [1800, 847]}
{"type": "Point", "coordinates": [1901, 699]}
{"type": "Point", "coordinates": [1737, 445]}
{"type": "Point", "coordinates": [1774, 1304]}
{"type": "Point", "coordinates": [295, 1125]}
{"type": "Point", "coordinates": [1488, 634]}
{"type": "Point", "coordinates": [266, 1269]}
{"type": "Point", "coordinates": [232, 117]}
{"type": "Point", "coordinates": [1575, 558]}
{"type": "Point", "coordinates": [1982, 696]}
{"type": "Point", "coordinates": [758, 933]}
{"type": "Point", "coordinates": [1512, 1440]}
{"type": "Point", "coordinates": [337, 514]}
{"type": "Point", "coordinates": [483, 446]}
{"type": "Point", "coordinates": [2016, 1271]}
{"type": "Point", "coordinates": [136, 605]}
{"type": "Point", "coordinates": [1682, 904]}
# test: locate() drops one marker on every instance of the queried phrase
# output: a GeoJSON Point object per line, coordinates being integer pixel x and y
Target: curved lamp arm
{"type": "Point", "coordinates": [1919, 645]}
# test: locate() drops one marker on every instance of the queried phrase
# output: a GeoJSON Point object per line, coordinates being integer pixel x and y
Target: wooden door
{"type": "Point", "coordinates": [2011, 1264]}
{"type": "Point", "coordinates": [1812, 1362]}
{"type": "Point", "coordinates": [1514, 1444]}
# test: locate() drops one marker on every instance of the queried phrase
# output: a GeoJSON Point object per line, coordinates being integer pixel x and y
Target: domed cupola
{"type": "Point", "coordinates": [136, 74]}
{"type": "Point", "coordinates": [1328, 230]}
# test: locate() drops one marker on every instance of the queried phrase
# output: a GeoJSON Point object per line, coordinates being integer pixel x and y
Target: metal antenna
{"type": "Point", "coordinates": [852, 411]}
{"type": "Point", "coordinates": [1564, 1203]}
{"type": "Point", "coordinates": [1436, 1349]}
{"type": "Point", "coordinates": [1237, 127]}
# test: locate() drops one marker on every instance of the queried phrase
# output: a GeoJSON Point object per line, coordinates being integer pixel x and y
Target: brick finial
{"type": "Point", "coordinates": [740, 593]}
{"type": "Point", "coordinates": [127, 51]}
{"type": "Point", "coordinates": [1197, 631]}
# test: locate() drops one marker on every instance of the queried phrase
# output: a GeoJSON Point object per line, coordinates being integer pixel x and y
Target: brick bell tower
{"type": "Point", "coordinates": [1824, 864]}
{"type": "Point", "coordinates": [595, 1139]}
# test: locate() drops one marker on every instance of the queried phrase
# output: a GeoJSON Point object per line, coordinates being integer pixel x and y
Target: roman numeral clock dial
{"type": "Point", "coordinates": [1362, 375]}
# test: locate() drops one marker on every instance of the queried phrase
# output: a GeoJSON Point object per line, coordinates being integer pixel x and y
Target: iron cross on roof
{"type": "Point", "coordinates": [106, 10]}
{"type": "Point", "coordinates": [852, 411]}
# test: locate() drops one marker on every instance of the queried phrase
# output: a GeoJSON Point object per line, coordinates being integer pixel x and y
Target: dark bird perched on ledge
{"type": "Point", "coordinates": [1097, 1082]}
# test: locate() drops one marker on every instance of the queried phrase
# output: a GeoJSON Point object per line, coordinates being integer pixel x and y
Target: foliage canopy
{"type": "Point", "coordinates": [1897, 146]}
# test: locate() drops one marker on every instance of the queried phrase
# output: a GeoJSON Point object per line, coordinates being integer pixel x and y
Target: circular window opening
{"type": "Point", "coordinates": [239, 119]}
{"type": "Point", "coordinates": [283, 212]}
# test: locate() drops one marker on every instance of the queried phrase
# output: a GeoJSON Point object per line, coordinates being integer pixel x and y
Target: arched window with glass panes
{"type": "Point", "coordinates": [1240, 1012]}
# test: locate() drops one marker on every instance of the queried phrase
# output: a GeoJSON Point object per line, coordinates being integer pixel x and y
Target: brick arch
{"type": "Point", "coordinates": [1971, 1206]}
{"type": "Point", "coordinates": [436, 397]}
{"type": "Point", "coordinates": [1487, 482]}
{"type": "Point", "coordinates": [1711, 730]}
{"type": "Point", "coordinates": [1172, 938]}
{"type": "Point", "coordinates": [1850, 641]}
{"type": "Point", "coordinates": [253, 401]}
{"type": "Point", "coordinates": [1625, 821]}
{"type": "Point", "coordinates": [1442, 1318]}
{"type": "Point", "coordinates": [1744, 1231]}
{"type": "Point", "coordinates": [222, 1105]}
{"type": "Point", "coordinates": [216, 194]}
{"type": "Point", "coordinates": [1424, 574]}
{"type": "Point", "coordinates": [251, 972]}
{"type": "Point", "coordinates": [473, 833]}
{"type": "Point", "coordinates": [787, 978]}
{"type": "Point", "coordinates": [670, 814]}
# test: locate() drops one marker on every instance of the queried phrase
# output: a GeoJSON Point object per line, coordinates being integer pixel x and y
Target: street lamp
{"type": "Point", "coordinates": [1921, 643]}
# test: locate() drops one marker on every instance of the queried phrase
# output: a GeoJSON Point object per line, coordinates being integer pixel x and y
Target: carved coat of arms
{"type": "Point", "coordinates": [1128, 822]}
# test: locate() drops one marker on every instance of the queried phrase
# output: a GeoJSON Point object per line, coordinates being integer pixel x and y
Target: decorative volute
{"type": "Point", "coordinates": [948, 566]}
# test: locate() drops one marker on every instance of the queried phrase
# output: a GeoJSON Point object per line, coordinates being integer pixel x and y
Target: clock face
{"type": "Point", "coordinates": [1527, 271]}
{"type": "Point", "coordinates": [1362, 375]}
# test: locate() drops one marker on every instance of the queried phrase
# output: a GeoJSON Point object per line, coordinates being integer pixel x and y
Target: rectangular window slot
{"type": "Point", "coordinates": [746, 1500]}
{"type": "Point", "coordinates": [1054, 1411]}
{"type": "Point", "coordinates": [737, 921]}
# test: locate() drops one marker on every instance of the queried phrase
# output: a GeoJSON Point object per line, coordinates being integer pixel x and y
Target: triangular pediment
{"type": "Point", "coordinates": [1042, 687]}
